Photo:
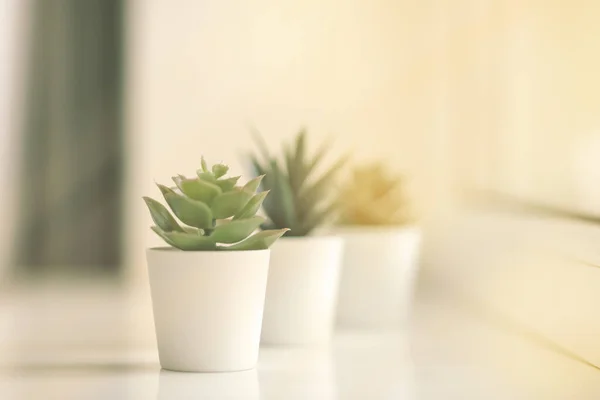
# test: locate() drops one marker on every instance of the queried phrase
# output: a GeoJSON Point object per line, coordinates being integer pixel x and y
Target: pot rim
{"type": "Point", "coordinates": [168, 249]}
{"type": "Point", "coordinates": [326, 236]}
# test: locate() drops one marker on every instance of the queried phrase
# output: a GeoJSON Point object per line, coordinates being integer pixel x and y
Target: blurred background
{"type": "Point", "coordinates": [99, 98]}
{"type": "Point", "coordinates": [488, 107]}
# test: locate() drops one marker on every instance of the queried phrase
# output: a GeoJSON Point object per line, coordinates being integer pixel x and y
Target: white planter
{"type": "Point", "coordinates": [208, 307]}
{"type": "Point", "coordinates": [378, 275]}
{"type": "Point", "coordinates": [302, 290]}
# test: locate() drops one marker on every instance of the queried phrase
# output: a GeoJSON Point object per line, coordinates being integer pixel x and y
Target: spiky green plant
{"type": "Point", "coordinates": [298, 199]}
{"type": "Point", "coordinates": [372, 196]}
{"type": "Point", "coordinates": [216, 214]}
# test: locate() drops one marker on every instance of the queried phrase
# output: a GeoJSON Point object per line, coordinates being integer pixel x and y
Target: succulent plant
{"type": "Point", "coordinates": [215, 212]}
{"type": "Point", "coordinates": [373, 197]}
{"type": "Point", "coordinates": [298, 199]}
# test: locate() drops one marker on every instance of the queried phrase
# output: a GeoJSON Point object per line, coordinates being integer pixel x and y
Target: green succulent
{"type": "Point", "coordinates": [215, 212]}
{"type": "Point", "coordinates": [298, 199]}
{"type": "Point", "coordinates": [372, 196]}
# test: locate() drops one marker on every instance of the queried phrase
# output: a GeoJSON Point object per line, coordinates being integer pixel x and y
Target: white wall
{"type": "Point", "coordinates": [525, 90]}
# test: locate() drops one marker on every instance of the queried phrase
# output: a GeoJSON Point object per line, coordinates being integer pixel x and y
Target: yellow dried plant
{"type": "Point", "coordinates": [372, 196]}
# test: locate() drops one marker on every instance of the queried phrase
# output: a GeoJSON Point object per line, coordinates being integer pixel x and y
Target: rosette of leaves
{"type": "Point", "coordinates": [373, 196]}
{"type": "Point", "coordinates": [299, 198]}
{"type": "Point", "coordinates": [214, 213]}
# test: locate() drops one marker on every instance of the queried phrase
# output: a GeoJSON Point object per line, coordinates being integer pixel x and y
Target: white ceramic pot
{"type": "Point", "coordinates": [378, 275]}
{"type": "Point", "coordinates": [208, 307]}
{"type": "Point", "coordinates": [302, 290]}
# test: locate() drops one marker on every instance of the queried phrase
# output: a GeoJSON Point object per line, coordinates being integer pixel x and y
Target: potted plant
{"type": "Point", "coordinates": [381, 251]}
{"type": "Point", "coordinates": [304, 268]}
{"type": "Point", "coordinates": [208, 288]}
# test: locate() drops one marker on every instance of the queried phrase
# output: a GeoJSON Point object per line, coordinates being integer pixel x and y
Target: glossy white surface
{"type": "Point", "coordinates": [94, 342]}
{"type": "Point", "coordinates": [543, 273]}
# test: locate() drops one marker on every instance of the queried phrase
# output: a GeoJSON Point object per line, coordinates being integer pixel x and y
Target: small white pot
{"type": "Point", "coordinates": [208, 307]}
{"type": "Point", "coordinates": [378, 275]}
{"type": "Point", "coordinates": [302, 290]}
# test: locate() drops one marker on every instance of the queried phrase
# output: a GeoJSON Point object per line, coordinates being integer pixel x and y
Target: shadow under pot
{"type": "Point", "coordinates": [302, 290]}
{"type": "Point", "coordinates": [378, 276]}
{"type": "Point", "coordinates": [208, 307]}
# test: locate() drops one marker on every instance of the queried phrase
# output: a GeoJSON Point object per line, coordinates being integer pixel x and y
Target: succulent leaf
{"type": "Point", "coordinates": [164, 189]}
{"type": "Point", "coordinates": [190, 241]}
{"type": "Point", "coordinates": [259, 241]}
{"type": "Point", "coordinates": [235, 230]}
{"type": "Point", "coordinates": [189, 211]}
{"type": "Point", "coordinates": [203, 164]}
{"type": "Point", "coordinates": [285, 196]}
{"type": "Point", "coordinates": [198, 189]}
{"type": "Point", "coordinates": [219, 170]}
{"type": "Point", "coordinates": [252, 206]}
{"type": "Point", "coordinates": [228, 184]}
{"type": "Point", "coordinates": [300, 148]}
{"type": "Point", "coordinates": [253, 184]}
{"type": "Point", "coordinates": [317, 190]}
{"type": "Point", "coordinates": [294, 170]}
{"type": "Point", "coordinates": [279, 205]}
{"type": "Point", "coordinates": [161, 216]}
{"type": "Point", "coordinates": [319, 156]}
{"type": "Point", "coordinates": [257, 167]}
{"type": "Point", "coordinates": [206, 176]}
{"type": "Point", "coordinates": [229, 203]}
{"type": "Point", "coordinates": [192, 230]}
{"type": "Point", "coordinates": [162, 235]}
